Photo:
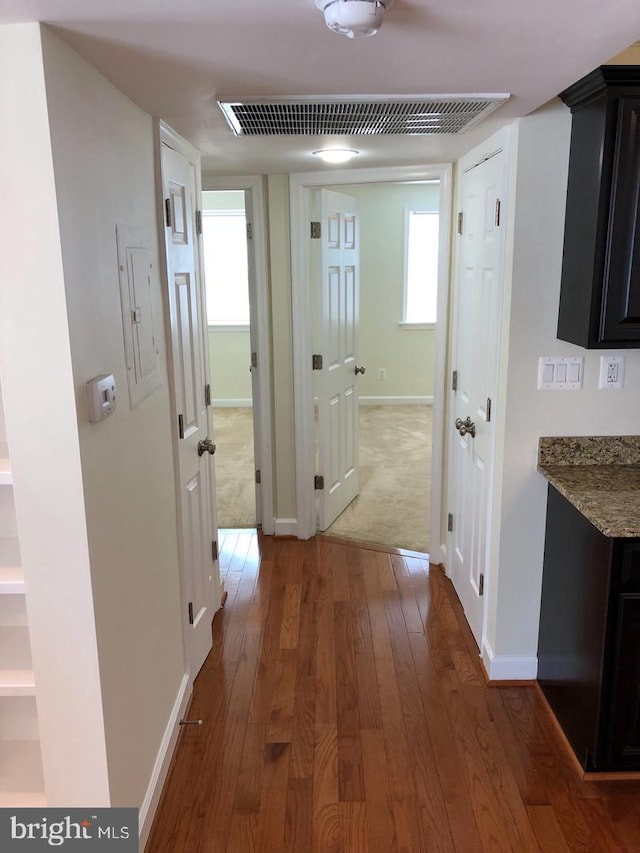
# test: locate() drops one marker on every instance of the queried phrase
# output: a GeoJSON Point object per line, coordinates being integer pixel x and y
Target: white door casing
{"type": "Point", "coordinates": [338, 338]}
{"type": "Point", "coordinates": [254, 340]}
{"type": "Point", "coordinates": [189, 365]}
{"type": "Point", "coordinates": [477, 311]}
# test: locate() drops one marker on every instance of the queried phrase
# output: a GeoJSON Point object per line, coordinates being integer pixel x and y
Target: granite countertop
{"type": "Point", "coordinates": [600, 476]}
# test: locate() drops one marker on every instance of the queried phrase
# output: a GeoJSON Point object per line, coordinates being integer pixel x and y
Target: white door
{"type": "Point", "coordinates": [475, 361]}
{"type": "Point", "coordinates": [201, 583]}
{"type": "Point", "coordinates": [338, 312]}
{"type": "Point", "coordinates": [253, 338]}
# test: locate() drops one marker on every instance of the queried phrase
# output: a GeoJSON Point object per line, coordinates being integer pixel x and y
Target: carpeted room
{"type": "Point", "coordinates": [396, 392]}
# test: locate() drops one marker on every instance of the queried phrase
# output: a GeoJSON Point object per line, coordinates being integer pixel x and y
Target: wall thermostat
{"type": "Point", "coordinates": [101, 391]}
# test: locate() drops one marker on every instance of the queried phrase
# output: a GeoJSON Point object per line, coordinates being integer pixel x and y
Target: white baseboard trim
{"type": "Point", "coordinates": [240, 403]}
{"type": "Point", "coordinates": [163, 760]}
{"type": "Point", "coordinates": [395, 401]}
{"type": "Point", "coordinates": [286, 527]}
{"type": "Point", "coordinates": [508, 667]}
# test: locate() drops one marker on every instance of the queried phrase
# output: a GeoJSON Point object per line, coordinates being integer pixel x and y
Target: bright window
{"type": "Point", "coordinates": [224, 239]}
{"type": "Point", "coordinates": [421, 268]}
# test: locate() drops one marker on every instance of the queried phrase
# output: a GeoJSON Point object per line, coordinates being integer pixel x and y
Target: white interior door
{"type": "Point", "coordinates": [201, 584]}
{"type": "Point", "coordinates": [253, 338]}
{"type": "Point", "coordinates": [338, 315]}
{"type": "Point", "coordinates": [475, 360]}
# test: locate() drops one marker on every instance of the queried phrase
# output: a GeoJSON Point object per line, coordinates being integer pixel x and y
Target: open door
{"type": "Point", "coordinates": [475, 362]}
{"type": "Point", "coordinates": [189, 359]}
{"type": "Point", "coordinates": [337, 338]}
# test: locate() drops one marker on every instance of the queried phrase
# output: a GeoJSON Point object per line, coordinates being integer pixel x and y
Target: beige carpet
{"type": "Point", "coordinates": [235, 470]}
{"type": "Point", "coordinates": [395, 467]}
{"type": "Point", "coordinates": [395, 479]}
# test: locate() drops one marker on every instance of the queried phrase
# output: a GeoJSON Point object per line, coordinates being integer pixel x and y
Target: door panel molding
{"type": "Point", "coordinates": [301, 187]}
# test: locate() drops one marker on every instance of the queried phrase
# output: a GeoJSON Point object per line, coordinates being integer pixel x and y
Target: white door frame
{"type": "Point", "coordinates": [164, 134]}
{"type": "Point", "coordinates": [300, 189]}
{"type": "Point", "coordinates": [261, 327]}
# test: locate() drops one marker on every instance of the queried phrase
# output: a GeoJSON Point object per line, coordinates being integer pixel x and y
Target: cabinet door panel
{"type": "Point", "coordinates": [623, 750]}
{"type": "Point", "coordinates": [620, 319]}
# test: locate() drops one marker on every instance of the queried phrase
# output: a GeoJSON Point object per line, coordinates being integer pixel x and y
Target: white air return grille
{"type": "Point", "coordinates": [415, 116]}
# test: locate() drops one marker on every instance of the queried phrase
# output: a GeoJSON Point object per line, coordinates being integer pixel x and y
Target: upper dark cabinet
{"type": "Point", "coordinates": [600, 290]}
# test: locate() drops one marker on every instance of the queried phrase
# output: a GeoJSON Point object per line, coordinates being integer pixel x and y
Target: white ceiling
{"type": "Point", "coordinates": [175, 58]}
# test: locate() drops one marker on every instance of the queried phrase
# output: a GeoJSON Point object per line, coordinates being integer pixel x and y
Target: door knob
{"type": "Point", "coordinates": [205, 445]}
{"type": "Point", "coordinates": [466, 426]}
{"type": "Point", "coordinates": [360, 370]}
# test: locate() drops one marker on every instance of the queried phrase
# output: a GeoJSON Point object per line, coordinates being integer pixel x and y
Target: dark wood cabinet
{"type": "Point", "coordinates": [589, 642]}
{"type": "Point", "coordinates": [600, 286]}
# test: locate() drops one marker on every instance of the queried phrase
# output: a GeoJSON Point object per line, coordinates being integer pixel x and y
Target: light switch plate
{"type": "Point", "coordinates": [560, 373]}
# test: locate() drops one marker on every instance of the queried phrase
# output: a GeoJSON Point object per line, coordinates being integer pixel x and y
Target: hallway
{"type": "Point", "coordinates": [344, 709]}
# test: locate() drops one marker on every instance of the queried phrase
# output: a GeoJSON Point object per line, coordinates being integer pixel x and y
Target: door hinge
{"type": "Point", "coordinates": [136, 317]}
{"type": "Point", "coordinates": [198, 222]}
{"type": "Point", "coordinates": [316, 230]}
{"type": "Point", "coordinates": [498, 207]}
{"type": "Point", "coordinates": [249, 231]}
{"type": "Point", "coordinates": [481, 585]}
{"type": "Point", "coordinates": [316, 362]}
{"type": "Point", "coordinates": [214, 551]}
{"type": "Point", "coordinates": [191, 613]}
{"type": "Point", "coordinates": [167, 212]}
{"type": "Point", "coordinates": [318, 482]}
{"type": "Point", "coordinates": [488, 409]}
{"type": "Point", "coordinates": [460, 219]}
{"type": "Point", "coordinates": [454, 380]}
{"type": "Point", "coordinates": [450, 522]}
{"type": "Point", "coordinates": [207, 394]}
{"type": "Point", "coordinates": [180, 426]}
{"type": "Point", "coordinates": [254, 359]}
{"type": "Point", "coordinates": [258, 476]}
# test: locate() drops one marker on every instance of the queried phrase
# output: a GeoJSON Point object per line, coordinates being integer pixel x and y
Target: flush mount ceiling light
{"type": "Point", "coordinates": [336, 155]}
{"type": "Point", "coordinates": [354, 18]}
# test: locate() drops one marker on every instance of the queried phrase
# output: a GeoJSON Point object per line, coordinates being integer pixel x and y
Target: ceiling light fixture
{"type": "Point", "coordinates": [354, 18]}
{"type": "Point", "coordinates": [336, 155]}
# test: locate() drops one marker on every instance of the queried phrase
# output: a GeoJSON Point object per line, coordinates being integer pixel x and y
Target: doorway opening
{"type": "Point", "coordinates": [402, 392]}
{"type": "Point", "coordinates": [224, 239]}
{"type": "Point", "coordinates": [234, 247]}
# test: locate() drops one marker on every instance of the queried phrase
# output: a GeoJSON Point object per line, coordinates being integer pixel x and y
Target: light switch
{"type": "Point", "coordinates": [560, 373]}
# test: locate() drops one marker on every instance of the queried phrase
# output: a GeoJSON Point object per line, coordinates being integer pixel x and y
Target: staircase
{"type": "Point", "coordinates": [21, 779]}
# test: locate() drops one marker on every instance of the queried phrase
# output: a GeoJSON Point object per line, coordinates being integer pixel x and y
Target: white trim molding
{"type": "Point", "coordinates": [286, 527]}
{"type": "Point", "coordinates": [163, 760]}
{"type": "Point", "coordinates": [508, 667]}
{"type": "Point", "coordinates": [300, 187]}
{"type": "Point", "coordinates": [395, 401]}
{"type": "Point", "coordinates": [231, 403]}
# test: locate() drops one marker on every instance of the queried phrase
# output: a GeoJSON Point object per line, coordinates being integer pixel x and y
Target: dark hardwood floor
{"type": "Point", "coordinates": [345, 709]}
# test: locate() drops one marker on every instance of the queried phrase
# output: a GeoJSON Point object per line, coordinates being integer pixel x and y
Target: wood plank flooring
{"type": "Point", "coordinates": [345, 709]}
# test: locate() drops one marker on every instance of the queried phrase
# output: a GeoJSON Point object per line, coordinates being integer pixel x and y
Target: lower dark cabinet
{"type": "Point", "coordinates": [589, 642]}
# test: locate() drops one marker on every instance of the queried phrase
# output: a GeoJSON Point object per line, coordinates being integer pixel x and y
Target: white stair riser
{"type": "Point", "coordinates": [7, 512]}
{"type": "Point", "coordinates": [13, 611]}
{"type": "Point", "coordinates": [18, 718]}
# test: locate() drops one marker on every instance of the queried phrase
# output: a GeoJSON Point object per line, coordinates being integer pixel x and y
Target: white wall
{"type": "Point", "coordinates": [103, 158]}
{"type": "Point", "coordinates": [407, 355]}
{"type": "Point", "coordinates": [39, 401]}
{"type": "Point", "coordinates": [542, 164]}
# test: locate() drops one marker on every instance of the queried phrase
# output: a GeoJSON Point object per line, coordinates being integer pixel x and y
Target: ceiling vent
{"type": "Point", "coordinates": [417, 115]}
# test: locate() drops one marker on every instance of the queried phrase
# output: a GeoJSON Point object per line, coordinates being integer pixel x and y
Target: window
{"type": "Point", "coordinates": [224, 240]}
{"type": "Point", "coordinates": [421, 268]}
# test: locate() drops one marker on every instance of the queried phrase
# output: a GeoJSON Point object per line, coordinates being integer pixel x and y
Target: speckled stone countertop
{"type": "Point", "coordinates": [600, 476]}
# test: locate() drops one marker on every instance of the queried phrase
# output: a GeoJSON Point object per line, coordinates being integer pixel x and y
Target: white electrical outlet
{"type": "Point", "coordinates": [611, 371]}
{"type": "Point", "coordinates": [382, 373]}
